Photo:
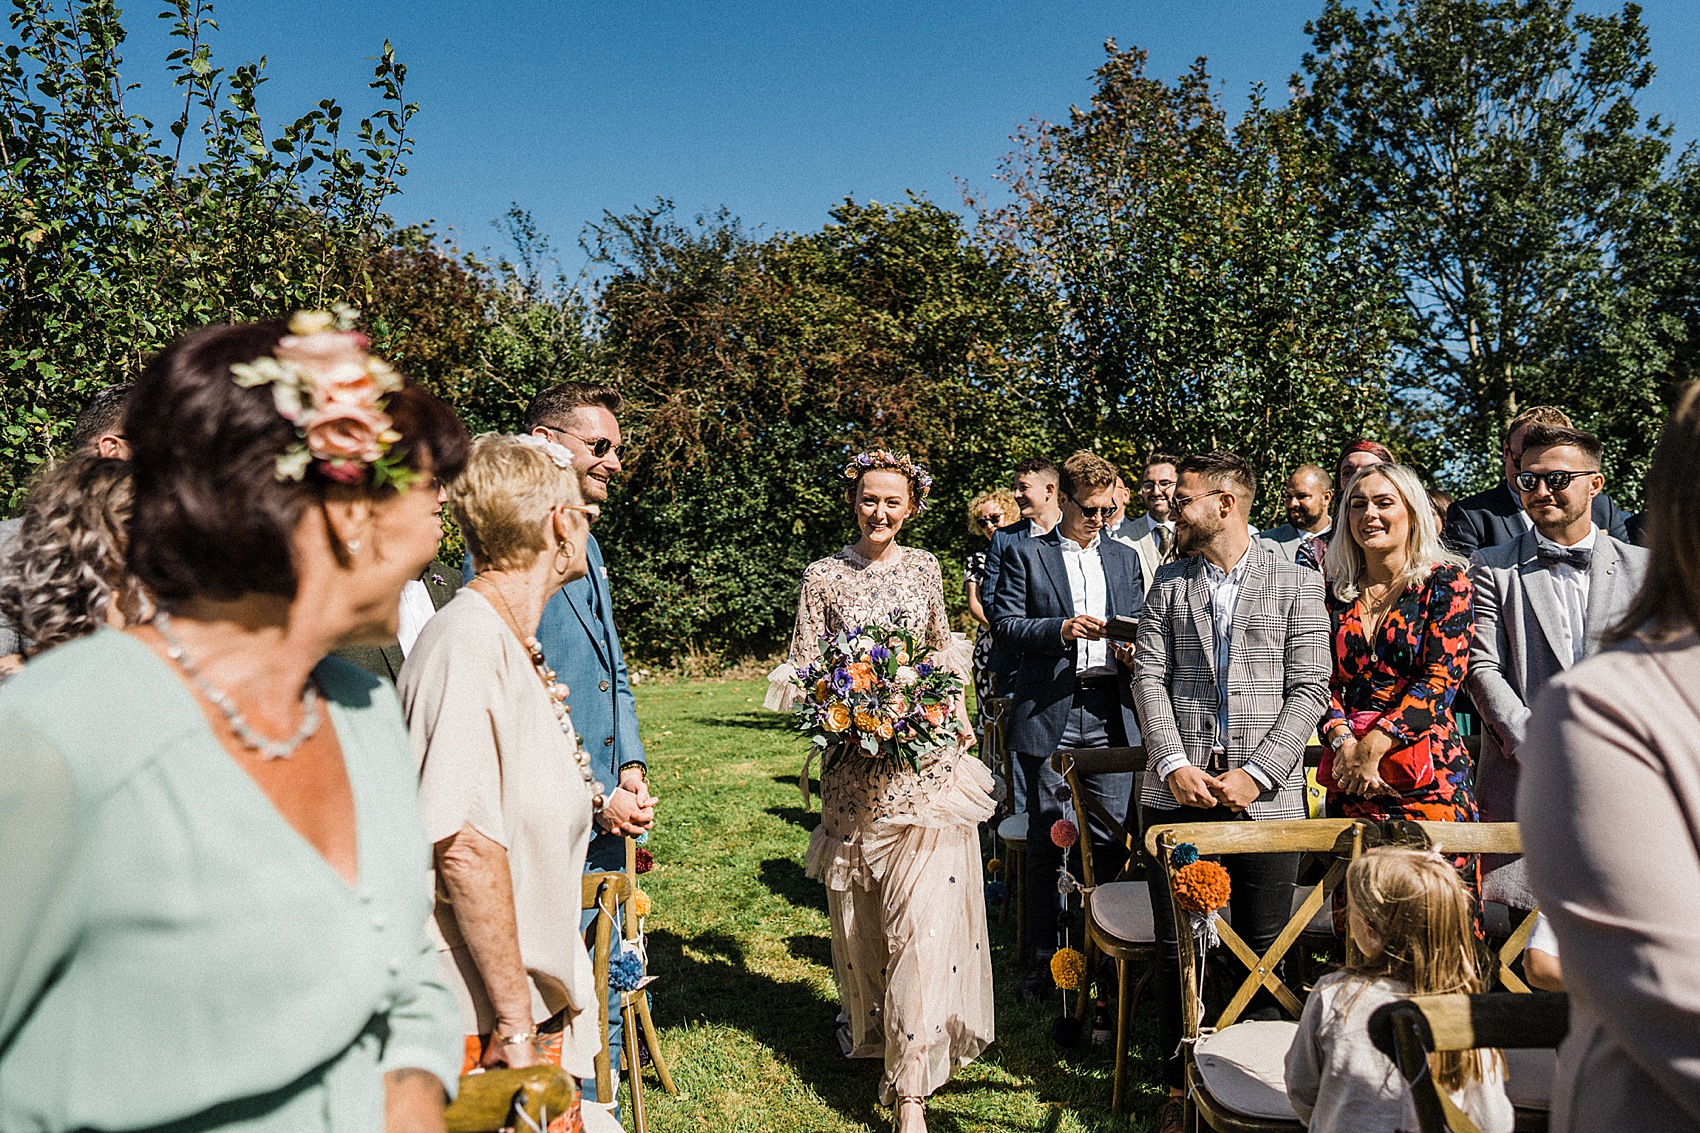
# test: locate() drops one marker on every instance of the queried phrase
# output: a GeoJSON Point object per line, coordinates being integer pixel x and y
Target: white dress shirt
{"type": "Point", "coordinates": [1572, 587]}
{"type": "Point", "coordinates": [416, 609]}
{"type": "Point", "coordinates": [1091, 593]}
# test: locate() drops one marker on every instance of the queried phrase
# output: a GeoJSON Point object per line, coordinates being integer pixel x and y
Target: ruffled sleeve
{"type": "Point", "coordinates": [782, 691]}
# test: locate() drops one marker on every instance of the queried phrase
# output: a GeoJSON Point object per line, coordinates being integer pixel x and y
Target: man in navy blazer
{"type": "Point", "coordinates": [1055, 595]}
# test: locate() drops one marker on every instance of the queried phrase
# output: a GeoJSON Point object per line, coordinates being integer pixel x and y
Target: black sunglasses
{"type": "Point", "coordinates": [1094, 512]}
{"type": "Point", "coordinates": [599, 448]}
{"type": "Point", "coordinates": [1557, 480]}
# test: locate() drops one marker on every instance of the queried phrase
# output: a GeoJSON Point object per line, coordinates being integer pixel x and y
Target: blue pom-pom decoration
{"type": "Point", "coordinates": [1184, 855]}
{"type": "Point", "coordinates": [996, 893]}
{"type": "Point", "coordinates": [625, 969]}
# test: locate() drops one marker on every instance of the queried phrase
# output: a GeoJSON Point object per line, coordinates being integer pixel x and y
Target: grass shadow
{"type": "Point", "coordinates": [796, 816]}
{"type": "Point", "coordinates": [807, 946]}
{"type": "Point", "coordinates": [757, 721]}
{"type": "Point", "coordinates": [786, 879]}
{"type": "Point", "coordinates": [789, 1018]}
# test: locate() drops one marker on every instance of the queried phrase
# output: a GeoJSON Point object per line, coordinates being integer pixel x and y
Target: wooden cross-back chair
{"type": "Point", "coordinates": [1118, 909]}
{"type": "Point", "coordinates": [1012, 829]}
{"type": "Point", "coordinates": [1409, 1030]}
{"type": "Point", "coordinates": [603, 892]}
{"type": "Point", "coordinates": [1529, 1065]}
{"type": "Point", "coordinates": [634, 1011]}
{"type": "Point", "coordinates": [1235, 1069]}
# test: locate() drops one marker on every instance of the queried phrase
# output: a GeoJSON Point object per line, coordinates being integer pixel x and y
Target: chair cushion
{"type": "Point", "coordinates": [1014, 828]}
{"type": "Point", "coordinates": [1245, 1067]}
{"type": "Point", "coordinates": [1528, 1077]}
{"type": "Point", "coordinates": [1122, 910]}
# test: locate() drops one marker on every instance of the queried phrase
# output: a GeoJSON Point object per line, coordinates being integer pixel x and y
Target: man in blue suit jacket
{"type": "Point", "coordinates": [581, 644]}
{"type": "Point", "coordinates": [1055, 595]}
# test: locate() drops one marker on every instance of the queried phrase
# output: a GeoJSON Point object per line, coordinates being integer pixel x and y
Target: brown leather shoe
{"type": "Point", "coordinates": [1170, 1117]}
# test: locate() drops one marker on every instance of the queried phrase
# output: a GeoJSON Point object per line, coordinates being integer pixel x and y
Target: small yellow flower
{"type": "Point", "coordinates": [837, 717]}
{"type": "Point", "coordinates": [822, 691]}
{"type": "Point", "coordinates": [866, 721]}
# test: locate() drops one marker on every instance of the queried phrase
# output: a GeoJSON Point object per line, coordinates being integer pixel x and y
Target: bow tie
{"type": "Point", "coordinates": [1551, 555]}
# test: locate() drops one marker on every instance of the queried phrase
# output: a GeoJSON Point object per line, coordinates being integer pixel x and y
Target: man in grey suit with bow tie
{"type": "Point", "coordinates": [1542, 600]}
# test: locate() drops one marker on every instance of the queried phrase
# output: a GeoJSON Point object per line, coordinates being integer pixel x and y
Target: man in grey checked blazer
{"type": "Point", "coordinates": [1230, 678]}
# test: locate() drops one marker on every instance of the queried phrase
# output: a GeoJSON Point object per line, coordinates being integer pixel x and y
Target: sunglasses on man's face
{"type": "Point", "coordinates": [1557, 480]}
{"type": "Point", "coordinates": [1093, 512]}
{"type": "Point", "coordinates": [599, 446]}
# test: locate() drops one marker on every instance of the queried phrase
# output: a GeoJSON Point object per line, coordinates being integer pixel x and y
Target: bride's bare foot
{"type": "Point", "coordinates": [911, 1115]}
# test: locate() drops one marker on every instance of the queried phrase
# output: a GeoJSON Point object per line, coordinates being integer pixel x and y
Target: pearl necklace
{"type": "Point", "coordinates": [218, 698]}
{"type": "Point", "coordinates": [557, 697]}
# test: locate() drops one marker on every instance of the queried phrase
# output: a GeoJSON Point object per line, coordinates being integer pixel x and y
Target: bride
{"type": "Point", "coordinates": [899, 850]}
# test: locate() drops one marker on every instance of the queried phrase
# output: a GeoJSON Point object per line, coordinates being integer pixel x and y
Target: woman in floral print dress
{"type": "Point", "coordinates": [1400, 605]}
{"type": "Point", "coordinates": [899, 850]}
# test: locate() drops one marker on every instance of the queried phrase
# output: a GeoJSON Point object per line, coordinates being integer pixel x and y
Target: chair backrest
{"type": "Point", "coordinates": [996, 711]}
{"type": "Point", "coordinates": [488, 1101]}
{"type": "Point", "coordinates": [1474, 838]}
{"type": "Point", "coordinates": [1342, 837]}
{"type": "Point", "coordinates": [603, 892]}
{"type": "Point", "coordinates": [1409, 1030]}
{"type": "Point", "coordinates": [1072, 764]}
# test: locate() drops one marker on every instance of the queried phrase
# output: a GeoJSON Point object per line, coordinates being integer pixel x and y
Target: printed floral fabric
{"type": "Point", "coordinates": [1410, 675]}
{"type": "Point", "coordinates": [975, 573]}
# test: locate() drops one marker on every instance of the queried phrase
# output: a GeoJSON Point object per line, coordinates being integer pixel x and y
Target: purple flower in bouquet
{"type": "Point", "coordinates": [879, 653]}
{"type": "Point", "coordinates": [841, 681]}
{"type": "Point", "coordinates": [925, 669]}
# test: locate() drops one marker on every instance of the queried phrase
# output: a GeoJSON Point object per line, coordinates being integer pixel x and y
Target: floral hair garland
{"type": "Point", "coordinates": [896, 461]}
{"type": "Point", "coordinates": [326, 384]}
{"type": "Point", "coordinates": [556, 452]}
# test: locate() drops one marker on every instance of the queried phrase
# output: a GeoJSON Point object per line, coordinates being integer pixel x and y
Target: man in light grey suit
{"type": "Point", "coordinates": [1542, 600]}
{"type": "Point", "coordinates": [1230, 676]}
{"type": "Point", "coordinates": [1303, 539]}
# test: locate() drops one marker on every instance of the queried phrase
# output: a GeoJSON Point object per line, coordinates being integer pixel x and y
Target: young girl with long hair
{"type": "Point", "coordinates": [1412, 919]}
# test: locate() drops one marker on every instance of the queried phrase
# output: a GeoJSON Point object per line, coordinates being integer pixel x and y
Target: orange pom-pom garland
{"type": "Point", "coordinates": [1202, 887]}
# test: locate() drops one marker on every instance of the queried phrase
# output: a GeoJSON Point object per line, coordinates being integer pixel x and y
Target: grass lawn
{"type": "Point", "coordinates": [740, 941]}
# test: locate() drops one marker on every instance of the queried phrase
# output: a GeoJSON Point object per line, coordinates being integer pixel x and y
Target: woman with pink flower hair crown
{"type": "Point", "coordinates": [898, 845]}
{"type": "Point", "coordinates": [211, 849]}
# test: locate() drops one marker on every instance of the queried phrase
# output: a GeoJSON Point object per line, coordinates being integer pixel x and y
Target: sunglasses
{"type": "Point", "coordinates": [599, 447]}
{"type": "Point", "coordinates": [1557, 480]}
{"type": "Point", "coordinates": [1094, 512]}
{"type": "Point", "coordinates": [989, 520]}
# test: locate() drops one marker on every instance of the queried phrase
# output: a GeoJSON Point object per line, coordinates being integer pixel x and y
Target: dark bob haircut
{"type": "Point", "coordinates": [211, 519]}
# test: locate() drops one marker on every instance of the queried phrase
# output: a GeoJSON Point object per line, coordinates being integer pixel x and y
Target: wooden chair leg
{"type": "Point", "coordinates": [1018, 894]}
{"type": "Point", "coordinates": [653, 1041]}
{"type": "Point", "coordinates": [633, 1060]}
{"type": "Point", "coordinates": [1124, 1016]}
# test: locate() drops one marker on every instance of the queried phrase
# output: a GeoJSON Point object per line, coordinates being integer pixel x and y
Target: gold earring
{"type": "Point", "coordinates": [563, 557]}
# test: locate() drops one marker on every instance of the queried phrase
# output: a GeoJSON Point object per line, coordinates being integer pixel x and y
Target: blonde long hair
{"type": "Point", "coordinates": [1344, 563]}
{"type": "Point", "coordinates": [1416, 903]}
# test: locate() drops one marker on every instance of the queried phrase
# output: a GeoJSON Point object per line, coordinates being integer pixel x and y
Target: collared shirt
{"type": "Point", "coordinates": [1572, 587]}
{"type": "Point", "coordinates": [1224, 599]}
{"type": "Point", "coordinates": [1091, 593]}
{"type": "Point", "coordinates": [416, 609]}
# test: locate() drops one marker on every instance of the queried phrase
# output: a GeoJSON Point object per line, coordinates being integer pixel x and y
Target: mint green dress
{"type": "Point", "coordinates": [172, 952]}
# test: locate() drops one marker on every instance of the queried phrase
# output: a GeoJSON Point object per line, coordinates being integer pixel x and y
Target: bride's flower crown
{"type": "Point", "coordinates": [326, 384]}
{"type": "Point", "coordinates": [919, 478]}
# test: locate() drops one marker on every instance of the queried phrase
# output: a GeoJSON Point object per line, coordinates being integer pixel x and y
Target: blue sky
{"type": "Point", "coordinates": [776, 110]}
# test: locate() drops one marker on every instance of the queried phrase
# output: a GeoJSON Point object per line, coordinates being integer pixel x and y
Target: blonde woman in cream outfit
{"type": "Point", "coordinates": [898, 850]}
{"type": "Point", "coordinates": [506, 791]}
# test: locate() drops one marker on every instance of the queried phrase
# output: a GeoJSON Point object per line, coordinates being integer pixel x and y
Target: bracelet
{"type": "Point", "coordinates": [529, 1035]}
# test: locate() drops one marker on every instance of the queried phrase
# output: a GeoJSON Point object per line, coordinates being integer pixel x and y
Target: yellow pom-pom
{"type": "Point", "coordinates": [1068, 968]}
{"type": "Point", "coordinates": [641, 903]}
{"type": "Point", "coordinates": [995, 866]}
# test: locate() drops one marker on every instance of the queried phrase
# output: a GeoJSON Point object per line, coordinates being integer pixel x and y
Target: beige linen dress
{"type": "Point", "coordinates": [899, 852]}
{"type": "Point", "coordinates": [492, 756]}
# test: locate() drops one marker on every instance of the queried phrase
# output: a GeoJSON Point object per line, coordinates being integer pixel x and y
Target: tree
{"type": "Point", "coordinates": [1491, 153]}
{"type": "Point", "coordinates": [755, 367]}
{"type": "Point", "coordinates": [1197, 300]}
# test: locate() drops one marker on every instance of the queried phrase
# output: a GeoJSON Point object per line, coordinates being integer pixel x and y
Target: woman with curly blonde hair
{"type": "Point", "coordinates": [64, 577]}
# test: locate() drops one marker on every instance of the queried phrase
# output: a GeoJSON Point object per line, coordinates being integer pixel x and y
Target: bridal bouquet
{"type": "Point", "coordinates": [876, 693]}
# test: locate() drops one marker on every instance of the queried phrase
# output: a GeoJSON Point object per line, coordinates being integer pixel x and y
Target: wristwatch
{"type": "Point", "coordinates": [1338, 737]}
